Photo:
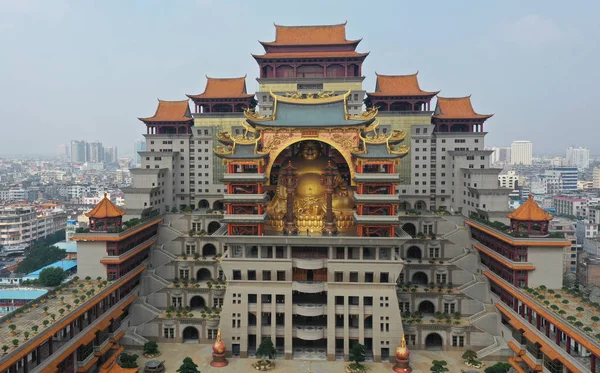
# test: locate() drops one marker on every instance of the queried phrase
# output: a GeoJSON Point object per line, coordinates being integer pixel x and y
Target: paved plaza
{"type": "Point", "coordinates": [174, 353]}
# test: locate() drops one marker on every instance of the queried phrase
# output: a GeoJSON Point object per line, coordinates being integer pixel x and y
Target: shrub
{"type": "Point", "coordinates": [151, 348]}
{"type": "Point", "coordinates": [128, 361]}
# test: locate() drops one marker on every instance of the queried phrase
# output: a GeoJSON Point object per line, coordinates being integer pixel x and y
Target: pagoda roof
{"type": "Point", "coordinates": [310, 35]}
{"type": "Point", "coordinates": [457, 108]}
{"type": "Point", "coordinates": [530, 211]}
{"type": "Point", "coordinates": [105, 209]}
{"type": "Point", "coordinates": [170, 111]}
{"type": "Point", "coordinates": [310, 113]}
{"type": "Point", "coordinates": [380, 151]}
{"type": "Point", "coordinates": [301, 55]}
{"type": "Point", "coordinates": [224, 88]}
{"type": "Point", "coordinates": [399, 85]}
{"type": "Point", "coordinates": [240, 150]}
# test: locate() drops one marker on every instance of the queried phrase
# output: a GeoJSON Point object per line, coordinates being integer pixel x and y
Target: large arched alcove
{"type": "Point", "coordinates": [420, 278]}
{"type": "Point", "coordinates": [190, 334]}
{"type": "Point", "coordinates": [414, 252]}
{"type": "Point", "coordinates": [203, 274]}
{"type": "Point", "coordinates": [197, 303]}
{"type": "Point", "coordinates": [420, 205]}
{"type": "Point", "coordinates": [426, 308]}
{"type": "Point", "coordinates": [213, 226]}
{"type": "Point", "coordinates": [203, 204]}
{"type": "Point", "coordinates": [410, 229]}
{"type": "Point", "coordinates": [434, 342]}
{"type": "Point", "coordinates": [209, 250]}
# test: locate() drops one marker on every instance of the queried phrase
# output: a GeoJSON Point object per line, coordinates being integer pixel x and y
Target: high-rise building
{"type": "Point", "coordinates": [138, 146]}
{"type": "Point", "coordinates": [578, 157]}
{"type": "Point", "coordinates": [62, 151]}
{"type": "Point", "coordinates": [500, 155]}
{"type": "Point", "coordinates": [509, 180]}
{"type": "Point", "coordinates": [78, 152]}
{"type": "Point", "coordinates": [568, 178]}
{"type": "Point", "coordinates": [110, 155]}
{"type": "Point", "coordinates": [521, 152]}
{"type": "Point", "coordinates": [96, 152]}
{"type": "Point", "coordinates": [596, 177]}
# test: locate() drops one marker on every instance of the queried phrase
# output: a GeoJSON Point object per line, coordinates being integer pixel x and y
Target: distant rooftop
{"type": "Point", "coordinates": [69, 247]}
{"type": "Point", "coordinates": [64, 264]}
{"type": "Point", "coordinates": [22, 293]}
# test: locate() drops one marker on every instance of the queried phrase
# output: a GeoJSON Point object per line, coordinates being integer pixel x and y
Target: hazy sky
{"type": "Point", "coordinates": [87, 69]}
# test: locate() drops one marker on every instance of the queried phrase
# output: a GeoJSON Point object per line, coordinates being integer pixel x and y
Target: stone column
{"type": "Point", "coordinates": [290, 181]}
{"type": "Point", "coordinates": [328, 181]}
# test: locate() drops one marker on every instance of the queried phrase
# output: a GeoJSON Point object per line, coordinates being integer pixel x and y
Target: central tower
{"type": "Point", "coordinates": [310, 59]}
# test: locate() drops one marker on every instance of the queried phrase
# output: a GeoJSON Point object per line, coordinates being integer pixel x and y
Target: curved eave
{"type": "Point", "coordinates": [201, 96]}
{"type": "Point", "coordinates": [476, 116]}
{"type": "Point", "coordinates": [343, 123]}
{"type": "Point", "coordinates": [234, 156]}
{"type": "Point", "coordinates": [389, 156]}
{"type": "Point", "coordinates": [275, 43]}
{"type": "Point", "coordinates": [153, 120]}
{"type": "Point", "coordinates": [395, 95]}
{"type": "Point", "coordinates": [324, 56]}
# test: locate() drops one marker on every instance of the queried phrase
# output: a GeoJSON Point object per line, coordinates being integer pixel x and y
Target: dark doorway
{"type": "Point", "coordinates": [426, 308]}
{"type": "Point", "coordinates": [414, 252]}
{"type": "Point", "coordinates": [434, 342]}
{"type": "Point", "coordinates": [190, 334]}
{"type": "Point", "coordinates": [197, 303]}
{"type": "Point", "coordinates": [419, 278]}
{"type": "Point", "coordinates": [410, 229]}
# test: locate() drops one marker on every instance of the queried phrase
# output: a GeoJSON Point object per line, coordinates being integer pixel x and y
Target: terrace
{"type": "Point", "coordinates": [31, 324]}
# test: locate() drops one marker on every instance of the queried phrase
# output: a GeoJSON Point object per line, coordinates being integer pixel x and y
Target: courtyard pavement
{"type": "Point", "coordinates": [174, 353]}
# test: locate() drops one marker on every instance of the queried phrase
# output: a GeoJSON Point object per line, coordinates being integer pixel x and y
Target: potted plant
{"type": "Point", "coordinates": [45, 322]}
{"type": "Point", "coordinates": [266, 351]}
{"type": "Point", "coordinates": [357, 355]}
{"type": "Point", "coordinates": [35, 329]}
{"type": "Point", "coordinates": [188, 366]}
{"type": "Point", "coordinates": [151, 349]}
{"type": "Point", "coordinates": [439, 366]}
{"type": "Point", "coordinates": [13, 329]}
{"type": "Point", "coordinates": [26, 335]}
{"type": "Point", "coordinates": [15, 343]}
{"type": "Point", "coordinates": [4, 349]}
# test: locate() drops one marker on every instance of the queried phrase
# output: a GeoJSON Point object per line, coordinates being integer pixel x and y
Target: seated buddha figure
{"type": "Point", "coordinates": [310, 197]}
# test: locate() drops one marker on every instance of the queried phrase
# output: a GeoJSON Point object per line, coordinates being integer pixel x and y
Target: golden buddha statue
{"type": "Point", "coordinates": [310, 196]}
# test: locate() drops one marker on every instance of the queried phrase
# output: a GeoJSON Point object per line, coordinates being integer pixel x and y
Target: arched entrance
{"type": "Point", "coordinates": [213, 226]}
{"type": "Point", "coordinates": [420, 205]}
{"type": "Point", "coordinates": [218, 205]}
{"type": "Point", "coordinates": [197, 303]}
{"type": "Point", "coordinates": [203, 274]}
{"type": "Point", "coordinates": [419, 278]}
{"type": "Point", "coordinates": [410, 229]}
{"type": "Point", "coordinates": [190, 335]}
{"type": "Point", "coordinates": [426, 308]}
{"type": "Point", "coordinates": [209, 250]}
{"type": "Point", "coordinates": [434, 341]}
{"type": "Point", "coordinates": [414, 252]}
{"type": "Point", "coordinates": [203, 204]}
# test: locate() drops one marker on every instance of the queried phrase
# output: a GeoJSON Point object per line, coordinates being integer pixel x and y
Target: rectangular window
{"type": "Point", "coordinates": [368, 276]}
{"type": "Point", "coordinates": [280, 275]}
{"type": "Point", "coordinates": [339, 277]}
{"type": "Point", "coordinates": [353, 276]}
{"type": "Point", "coordinates": [237, 274]}
{"type": "Point", "coordinates": [384, 277]}
{"type": "Point", "coordinates": [251, 275]}
{"type": "Point", "coordinates": [169, 333]}
{"type": "Point", "coordinates": [266, 275]}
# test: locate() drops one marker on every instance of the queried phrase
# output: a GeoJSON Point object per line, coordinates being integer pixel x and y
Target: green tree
{"type": "Point", "coordinates": [470, 356]}
{"type": "Point", "coordinates": [266, 350]}
{"type": "Point", "coordinates": [39, 256]}
{"type": "Point", "coordinates": [439, 366]}
{"type": "Point", "coordinates": [357, 354]}
{"type": "Point", "coordinates": [128, 360]}
{"type": "Point", "coordinates": [52, 276]}
{"type": "Point", "coordinates": [188, 366]}
{"type": "Point", "coordinates": [151, 348]}
{"type": "Point", "coordinates": [498, 368]}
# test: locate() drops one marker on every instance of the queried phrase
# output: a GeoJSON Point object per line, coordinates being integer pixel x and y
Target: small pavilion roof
{"type": "Point", "coordinates": [105, 209]}
{"type": "Point", "coordinates": [224, 88]}
{"type": "Point", "coordinates": [310, 35]}
{"type": "Point", "coordinates": [170, 111]}
{"type": "Point", "coordinates": [530, 211]}
{"type": "Point", "coordinates": [457, 108]}
{"type": "Point", "coordinates": [399, 85]}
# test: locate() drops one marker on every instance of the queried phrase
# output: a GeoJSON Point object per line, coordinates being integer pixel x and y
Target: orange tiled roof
{"type": "Point", "coordinates": [310, 35]}
{"type": "Point", "coordinates": [530, 211]}
{"type": "Point", "coordinates": [105, 209]}
{"type": "Point", "coordinates": [224, 88]}
{"type": "Point", "coordinates": [324, 54]}
{"type": "Point", "coordinates": [399, 85]}
{"type": "Point", "coordinates": [457, 108]}
{"type": "Point", "coordinates": [170, 111]}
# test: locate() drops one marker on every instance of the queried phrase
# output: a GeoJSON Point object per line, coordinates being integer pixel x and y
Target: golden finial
{"type": "Point", "coordinates": [403, 343]}
{"type": "Point", "coordinates": [105, 194]}
{"type": "Point", "coordinates": [219, 335]}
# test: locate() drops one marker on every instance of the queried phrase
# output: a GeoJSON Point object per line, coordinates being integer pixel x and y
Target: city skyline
{"type": "Point", "coordinates": [519, 45]}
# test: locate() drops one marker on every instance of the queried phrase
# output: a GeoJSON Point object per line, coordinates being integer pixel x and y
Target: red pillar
{"type": "Point", "coordinates": [547, 329]}
{"type": "Point", "coordinates": [593, 363]}
{"type": "Point", "coordinates": [568, 344]}
{"type": "Point", "coordinates": [538, 321]}
{"type": "Point", "coordinates": [558, 334]}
